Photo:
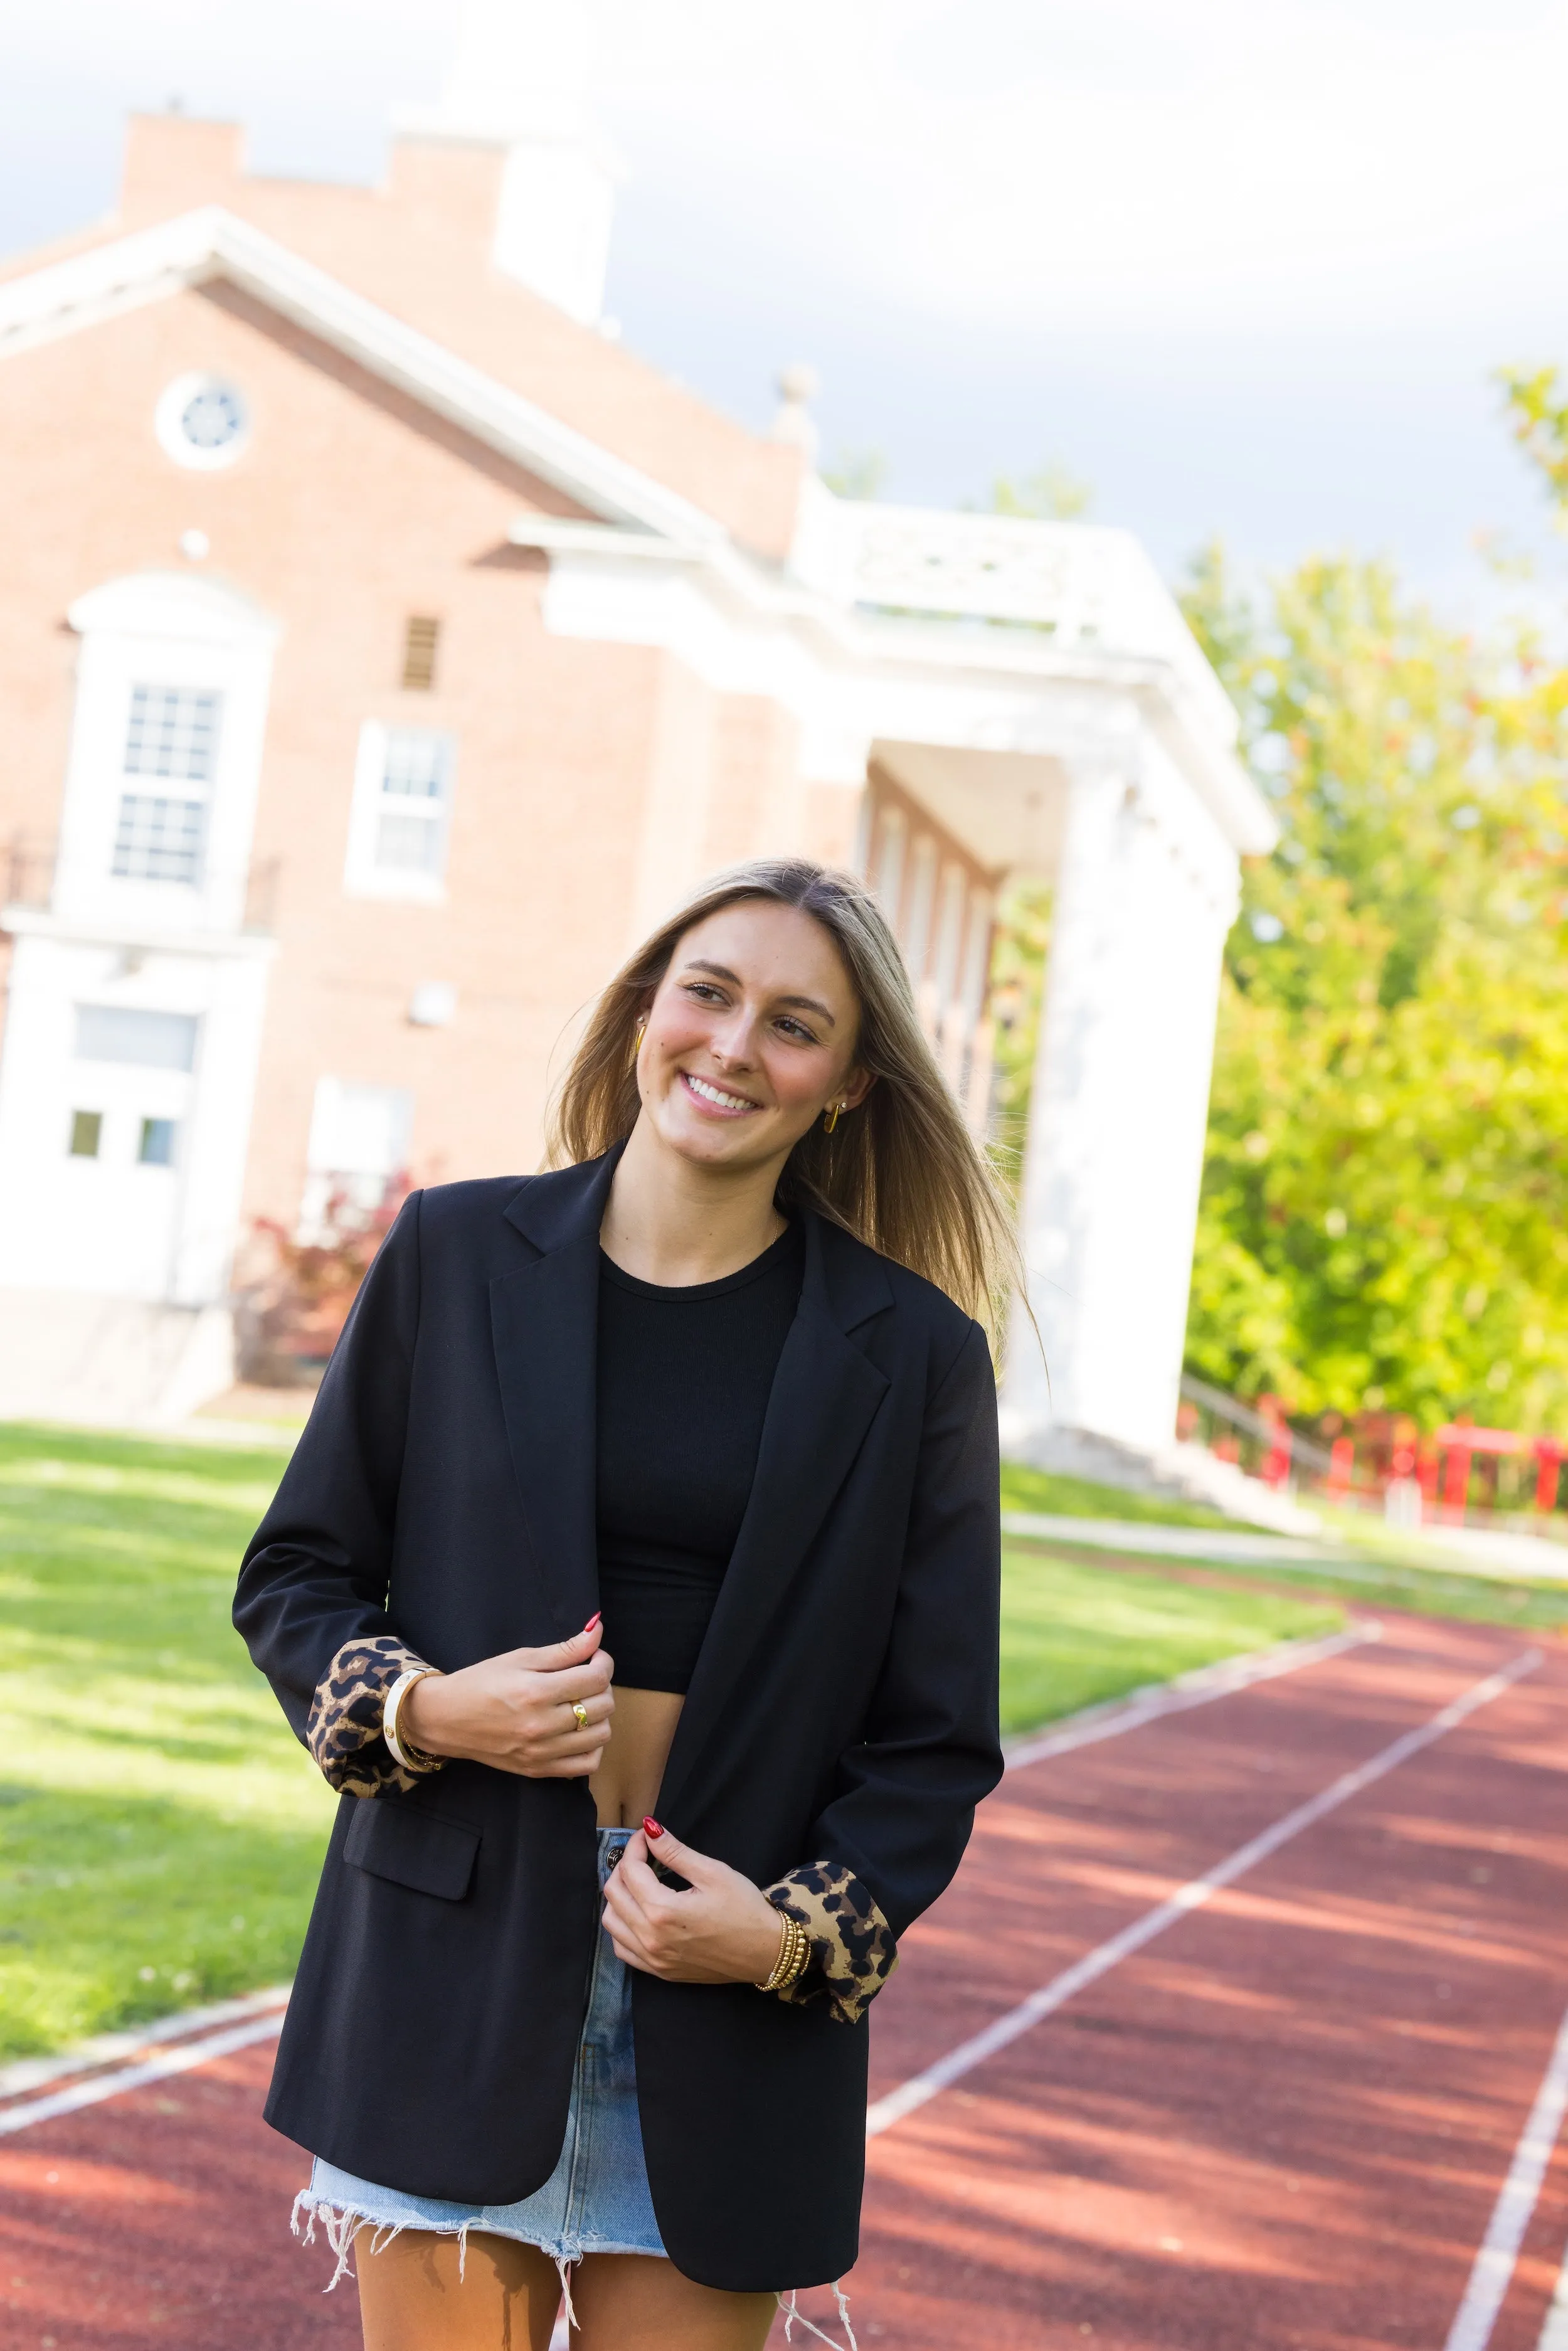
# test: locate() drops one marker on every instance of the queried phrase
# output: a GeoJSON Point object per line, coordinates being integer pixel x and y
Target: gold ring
{"type": "Point", "coordinates": [580, 1711]}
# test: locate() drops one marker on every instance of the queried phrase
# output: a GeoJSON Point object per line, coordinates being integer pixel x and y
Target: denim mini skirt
{"type": "Point", "coordinates": [596, 2200]}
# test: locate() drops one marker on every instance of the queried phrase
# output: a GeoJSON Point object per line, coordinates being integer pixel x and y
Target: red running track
{"type": "Point", "coordinates": [1285, 2121]}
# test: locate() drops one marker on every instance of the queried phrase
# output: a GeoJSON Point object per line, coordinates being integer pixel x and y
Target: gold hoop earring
{"type": "Point", "coordinates": [637, 1040]}
{"type": "Point", "coordinates": [831, 1117]}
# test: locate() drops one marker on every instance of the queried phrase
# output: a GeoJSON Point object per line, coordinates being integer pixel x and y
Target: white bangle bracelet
{"type": "Point", "coordinates": [416, 1761]}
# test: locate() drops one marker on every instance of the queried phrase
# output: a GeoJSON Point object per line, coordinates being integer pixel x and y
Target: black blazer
{"type": "Point", "coordinates": [843, 1708]}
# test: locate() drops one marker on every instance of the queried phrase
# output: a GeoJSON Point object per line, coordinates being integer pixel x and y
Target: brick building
{"type": "Point", "coordinates": [385, 646]}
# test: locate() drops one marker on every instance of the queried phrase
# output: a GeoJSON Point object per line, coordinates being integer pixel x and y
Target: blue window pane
{"type": "Point", "coordinates": [159, 840]}
{"type": "Point", "coordinates": [157, 1142]}
{"type": "Point", "coordinates": [213, 417]}
{"type": "Point", "coordinates": [418, 761]}
{"type": "Point", "coordinates": [172, 732]}
{"type": "Point", "coordinates": [410, 844]}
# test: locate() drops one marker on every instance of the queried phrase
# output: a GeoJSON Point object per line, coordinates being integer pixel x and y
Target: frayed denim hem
{"type": "Point", "coordinates": [794, 2316]}
{"type": "Point", "coordinates": [342, 2225]}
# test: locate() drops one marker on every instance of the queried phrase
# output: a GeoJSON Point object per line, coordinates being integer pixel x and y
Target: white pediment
{"type": "Point", "coordinates": [174, 604]}
{"type": "Point", "coordinates": [870, 591]}
{"type": "Point", "coordinates": [67, 297]}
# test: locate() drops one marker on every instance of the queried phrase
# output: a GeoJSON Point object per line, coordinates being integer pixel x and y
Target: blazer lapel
{"type": "Point", "coordinates": [825, 1394]}
{"type": "Point", "coordinates": [543, 1325]}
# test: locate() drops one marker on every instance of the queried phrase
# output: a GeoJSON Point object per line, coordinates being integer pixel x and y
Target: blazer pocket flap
{"type": "Point", "coordinates": [392, 1839]}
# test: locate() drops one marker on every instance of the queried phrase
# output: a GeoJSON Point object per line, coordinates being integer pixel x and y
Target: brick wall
{"type": "Point", "coordinates": [350, 510]}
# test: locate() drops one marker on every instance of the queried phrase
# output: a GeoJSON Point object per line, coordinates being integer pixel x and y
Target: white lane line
{"type": "Point", "coordinates": [921, 2087]}
{"type": "Point", "coordinates": [180, 2060]}
{"type": "Point", "coordinates": [1200, 1687]}
{"type": "Point", "coordinates": [104, 2048]}
{"type": "Point", "coordinates": [1092, 1723]}
{"type": "Point", "coordinates": [1494, 2264]}
{"type": "Point", "coordinates": [1554, 2334]}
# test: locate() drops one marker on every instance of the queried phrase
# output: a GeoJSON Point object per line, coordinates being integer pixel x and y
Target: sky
{"type": "Point", "coordinates": [1246, 266]}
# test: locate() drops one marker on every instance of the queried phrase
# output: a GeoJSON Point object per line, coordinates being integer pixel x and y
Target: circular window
{"type": "Point", "coordinates": [203, 422]}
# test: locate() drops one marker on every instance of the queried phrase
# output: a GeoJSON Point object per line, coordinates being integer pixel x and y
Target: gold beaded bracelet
{"type": "Point", "coordinates": [794, 1951]}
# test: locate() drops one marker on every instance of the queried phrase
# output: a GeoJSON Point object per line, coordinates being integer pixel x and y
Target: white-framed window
{"type": "Point", "coordinates": [165, 757]}
{"type": "Point", "coordinates": [131, 1088]}
{"type": "Point", "coordinates": [401, 814]}
{"type": "Point", "coordinates": [168, 765]}
{"type": "Point", "coordinates": [358, 1144]}
{"type": "Point", "coordinates": [201, 421]}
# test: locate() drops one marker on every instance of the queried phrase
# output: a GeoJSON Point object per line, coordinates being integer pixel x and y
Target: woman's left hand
{"type": "Point", "coordinates": [724, 1930]}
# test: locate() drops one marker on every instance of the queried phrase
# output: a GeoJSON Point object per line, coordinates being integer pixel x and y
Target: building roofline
{"type": "Point", "coordinates": [635, 514]}
{"type": "Point", "coordinates": [64, 296]}
{"type": "Point", "coordinates": [1168, 682]}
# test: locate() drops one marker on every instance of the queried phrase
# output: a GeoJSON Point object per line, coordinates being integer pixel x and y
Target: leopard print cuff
{"type": "Point", "coordinates": [852, 1949]}
{"type": "Point", "coordinates": [343, 1730]}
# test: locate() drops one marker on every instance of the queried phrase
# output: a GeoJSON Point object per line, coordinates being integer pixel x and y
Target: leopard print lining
{"type": "Point", "coordinates": [343, 1730]}
{"type": "Point", "coordinates": [852, 1949]}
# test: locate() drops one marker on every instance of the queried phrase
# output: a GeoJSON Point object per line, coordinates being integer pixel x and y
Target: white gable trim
{"type": "Point", "coordinates": [154, 263]}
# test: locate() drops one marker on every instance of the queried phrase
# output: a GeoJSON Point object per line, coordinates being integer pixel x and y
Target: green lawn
{"type": "Point", "coordinates": [161, 1829]}
{"type": "Point", "coordinates": [1074, 1632]}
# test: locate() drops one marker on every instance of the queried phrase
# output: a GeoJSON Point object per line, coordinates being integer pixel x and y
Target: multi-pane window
{"type": "Point", "coordinates": [159, 840]}
{"type": "Point", "coordinates": [415, 790]}
{"type": "Point", "coordinates": [358, 1147]}
{"type": "Point", "coordinates": [171, 740]}
{"type": "Point", "coordinates": [173, 731]}
{"type": "Point", "coordinates": [400, 817]}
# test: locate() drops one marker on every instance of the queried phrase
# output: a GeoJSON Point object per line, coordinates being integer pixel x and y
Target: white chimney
{"type": "Point", "coordinates": [519, 80]}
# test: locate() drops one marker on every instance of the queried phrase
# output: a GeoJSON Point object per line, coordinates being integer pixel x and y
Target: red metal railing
{"type": "Point", "coordinates": [1360, 1464]}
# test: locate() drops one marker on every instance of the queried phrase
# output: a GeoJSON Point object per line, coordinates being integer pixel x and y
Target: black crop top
{"type": "Point", "coordinates": [684, 1378]}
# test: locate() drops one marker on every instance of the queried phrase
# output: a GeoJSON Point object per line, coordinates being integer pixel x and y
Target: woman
{"type": "Point", "coordinates": [651, 1502]}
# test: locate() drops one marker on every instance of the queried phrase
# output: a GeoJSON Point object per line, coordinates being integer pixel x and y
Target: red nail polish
{"type": "Point", "coordinates": [650, 1828]}
{"type": "Point", "coordinates": [595, 1619]}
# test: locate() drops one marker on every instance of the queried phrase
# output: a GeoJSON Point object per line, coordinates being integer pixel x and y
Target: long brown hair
{"type": "Point", "coordinates": [902, 1173]}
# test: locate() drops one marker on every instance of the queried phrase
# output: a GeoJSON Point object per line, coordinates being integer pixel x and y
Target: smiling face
{"type": "Point", "coordinates": [750, 1035]}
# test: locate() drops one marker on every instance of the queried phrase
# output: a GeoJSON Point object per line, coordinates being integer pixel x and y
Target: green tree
{"type": "Point", "coordinates": [1017, 999]}
{"type": "Point", "coordinates": [1050, 493]}
{"type": "Point", "coordinates": [1537, 408]}
{"type": "Point", "coordinates": [1383, 1212]}
{"type": "Point", "coordinates": [856, 474]}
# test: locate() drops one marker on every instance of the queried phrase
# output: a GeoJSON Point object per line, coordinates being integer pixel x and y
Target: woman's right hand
{"type": "Point", "coordinates": [514, 1711]}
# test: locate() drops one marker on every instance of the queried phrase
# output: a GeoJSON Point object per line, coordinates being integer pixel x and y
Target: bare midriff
{"type": "Point", "coordinates": [625, 1788]}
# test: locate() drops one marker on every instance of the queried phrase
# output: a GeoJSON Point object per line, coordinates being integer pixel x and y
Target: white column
{"type": "Point", "coordinates": [888, 878]}
{"type": "Point", "coordinates": [1146, 892]}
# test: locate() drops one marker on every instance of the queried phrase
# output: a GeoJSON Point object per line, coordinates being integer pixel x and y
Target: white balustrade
{"type": "Point", "coordinates": [1089, 590]}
